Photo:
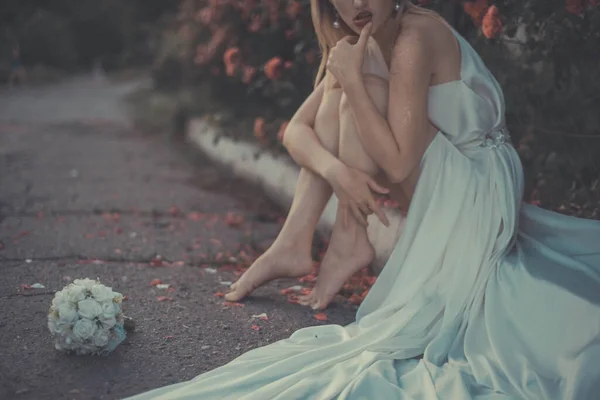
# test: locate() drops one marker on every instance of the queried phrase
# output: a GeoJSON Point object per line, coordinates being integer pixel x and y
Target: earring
{"type": "Point", "coordinates": [336, 21]}
{"type": "Point", "coordinates": [397, 6]}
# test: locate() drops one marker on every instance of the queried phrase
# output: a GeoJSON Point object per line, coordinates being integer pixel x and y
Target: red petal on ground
{"type": "Point", "coordinates": [255, 327]}
{"type": "Point", "coordinates": [216, 242]}
{"type": "Point", "coordinates": [89, 235]}
{"type": "Point", "coordinates": [158, 262]}
{"type": "Point", "coordinates": [308, 278]}
{"type": "Point", "coordinates": [164, 298]}
{"type": "Point", "coordinates": [171, 290]}
{"type": "Point", "coordinates": [293, 299]}
{"type": "Point", "coordinates": [232, 219]}
{"type": "Point", "coordinates": [355, 299]}
{"type": "Point", "coordinates": [232, 304]}
{"type": "Point", "coordinates": [219, 294]}
{"type": "Point", "coordinates": [195, 216]}
{"type": "Point", "coordinates": [174, 211]}
{"type": "Point", "coordinates": [219, 256]}
{"type": "Point", "coordinates": [155, 282]}
{"type": "Point", "coordinates": [320, 316]}
{"type": "Point", "coordinates": [25, 286]}
{"type": "Point", "coordinates": [41, 215]}
{"type": "Point", "coordinates": [305, 291]}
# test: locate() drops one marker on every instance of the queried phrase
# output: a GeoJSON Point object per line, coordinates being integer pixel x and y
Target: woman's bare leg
{"type": "Point", "coordinates": [349, 249]}
{"type": "Point", "coordinates": [290, 255]}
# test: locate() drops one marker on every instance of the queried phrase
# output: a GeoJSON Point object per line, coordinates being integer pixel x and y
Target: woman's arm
{"type": "Point", "coordinates": [301, 141]}
{"type": "Point", "coordinates": [398, 143]}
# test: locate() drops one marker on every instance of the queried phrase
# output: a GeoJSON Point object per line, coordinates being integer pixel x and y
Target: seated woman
{"type": "Point", "coordinates": [324, 139]}
{"type": "Point", "coordinates": [483, 297]}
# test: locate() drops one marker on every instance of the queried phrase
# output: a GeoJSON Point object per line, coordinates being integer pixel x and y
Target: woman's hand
{"type": "Point", "coordinates": [353, 189]}
{"type": "Point", "coordinates": [346, 58]}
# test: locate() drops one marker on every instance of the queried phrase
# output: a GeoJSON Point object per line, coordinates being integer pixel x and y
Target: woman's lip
{"type": "Point", "coordinates": [361, 22]}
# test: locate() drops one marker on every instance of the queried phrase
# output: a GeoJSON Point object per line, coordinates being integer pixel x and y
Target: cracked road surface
{"type": "Point", "coordinates": [83, 193]}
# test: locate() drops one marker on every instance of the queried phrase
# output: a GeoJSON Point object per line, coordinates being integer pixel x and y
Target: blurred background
{"type": "Point", "coordinates": [248, 64]}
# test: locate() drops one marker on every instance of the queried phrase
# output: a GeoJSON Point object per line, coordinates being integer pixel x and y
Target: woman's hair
{"type": "Point", "coordinates": [323, 15]}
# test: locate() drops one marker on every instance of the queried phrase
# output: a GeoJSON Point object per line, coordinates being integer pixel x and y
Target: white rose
{"type": "Point", "coordinates": [108, 309]}
{"type": "Point", "coordinates": [67, 313]}
{"type": "Point", "coordinates": [102, 293]}
{"type": "Point", "coordinates": [87, 283]}
{"type": "Point", "coordinates": [84, 329]}
{"type": "Point", "coordinates": [89, 308]}
{"type": "Point", "coordinates": [75, 293]}
{"type": "Point", "coordinates": [108, 322]}
{"type": "Point", "coordinates": [59, 298]}
{"type": "Point", "coordinates": [101, 338]}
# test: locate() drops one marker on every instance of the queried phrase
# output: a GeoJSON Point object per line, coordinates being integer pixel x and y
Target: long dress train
{"type": "Point", "coordinates": [501, 298]}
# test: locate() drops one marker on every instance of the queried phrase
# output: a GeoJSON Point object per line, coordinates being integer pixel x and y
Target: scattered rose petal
{"type": "Point", "coordinates": [234, 220]}
{"type": "Point", "coordinates": [262, 316]}
{"type": "Point", "coordinates": [168, 337]}
{"type": "Point", "coordinates": [232, 304]}
{"type": "Point", "coordinates": [195, 216]}
{"type": "Point", "coordinates": [164, 298]}
{"type": "Point", "coordinates": [291, 289]}
{"type": "Point", "coordinates": [320, 316]}
{"type": "Point", "coordinates": [155, 282]}
{"type": "Point", "coordinates": [178, 264]}
{"type": "Point", "coordinates": [37, 286]}
{"type": "Point", "coordinates": [210, 270]}
{"type": "Point", "coordinates": [255, 327]}
{"type": "Point", "coordinates": [219, 294]}
{"type": "Point", "coordinates": [25, 286]}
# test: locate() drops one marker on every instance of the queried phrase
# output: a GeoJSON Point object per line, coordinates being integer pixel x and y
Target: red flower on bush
{"type": "Point", "coordinates": [294, 9]}
{"type": "Point", "coordinates": [282, 129]}
{"type": "Point", "coordinates": [274, 68]}
{"type": "Point", "coordinates": [310, 56]}
{"type": "Point", "coordinates": [246, 7]}
{"type": "Point", "coordinates": [491, 26]}
{"type": "Point", "coordinates": [206, 15]}
{"type": "Point", "coordinates": [247, 74]}
{"type": "Point", "coordinates": [575, 6]}
{"type": "Point", "coordinates": [259, 128]}
{"type": "Point", "coordinates": [255, 23]}
{"type": "Point", "coordinates": [290, 34]}
{"type": "Point", "coordinates": [233, 60]}
{"type": "Point", "coordinates": [476, 10]}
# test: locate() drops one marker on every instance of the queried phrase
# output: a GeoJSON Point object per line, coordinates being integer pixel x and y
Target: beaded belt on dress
{"type": "Point", "coordinates": [495, 138]}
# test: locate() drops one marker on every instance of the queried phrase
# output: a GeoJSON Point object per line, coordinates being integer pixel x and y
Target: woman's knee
{"type": "Point", "coordinates": [378, 90]}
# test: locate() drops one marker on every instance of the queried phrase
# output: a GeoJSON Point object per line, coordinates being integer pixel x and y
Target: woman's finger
{"type": "Point", "coordinates": [359, 216]}
{"type": "Point", "coordinates": [376, 188]}
{"type": "Point", "coordinates": [364, 208]}
{"type": "Point", "coordinates": [379, 212]}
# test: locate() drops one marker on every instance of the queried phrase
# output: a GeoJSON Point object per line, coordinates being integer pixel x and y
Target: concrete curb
{"type": "Point", "coordinates": [278, 176]}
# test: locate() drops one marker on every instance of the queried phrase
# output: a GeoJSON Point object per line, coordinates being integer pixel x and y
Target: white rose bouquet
{"type": "Point", "coordinates": [86, 318]}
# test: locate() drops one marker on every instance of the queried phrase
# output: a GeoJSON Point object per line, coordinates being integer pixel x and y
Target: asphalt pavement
{"type": "Point", "coordinates": [84, 193]}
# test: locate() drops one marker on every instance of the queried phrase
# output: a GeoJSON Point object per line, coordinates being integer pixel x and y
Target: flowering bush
{"type": "Point", "coordinates": [262, 55]}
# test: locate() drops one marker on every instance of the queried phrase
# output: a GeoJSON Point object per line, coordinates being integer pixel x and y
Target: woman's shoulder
{"type": "Point", "coordinates": [424, 32]}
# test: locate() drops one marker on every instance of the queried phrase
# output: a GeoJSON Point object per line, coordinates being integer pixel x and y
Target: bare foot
{"type": "Point", "coordinates": [277, 262]}
{"type": "Point", "coordinates": [348, 253]}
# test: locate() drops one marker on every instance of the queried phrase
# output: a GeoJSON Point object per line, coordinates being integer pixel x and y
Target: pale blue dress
{"type": "Point", "coordinates": [501, 298]}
